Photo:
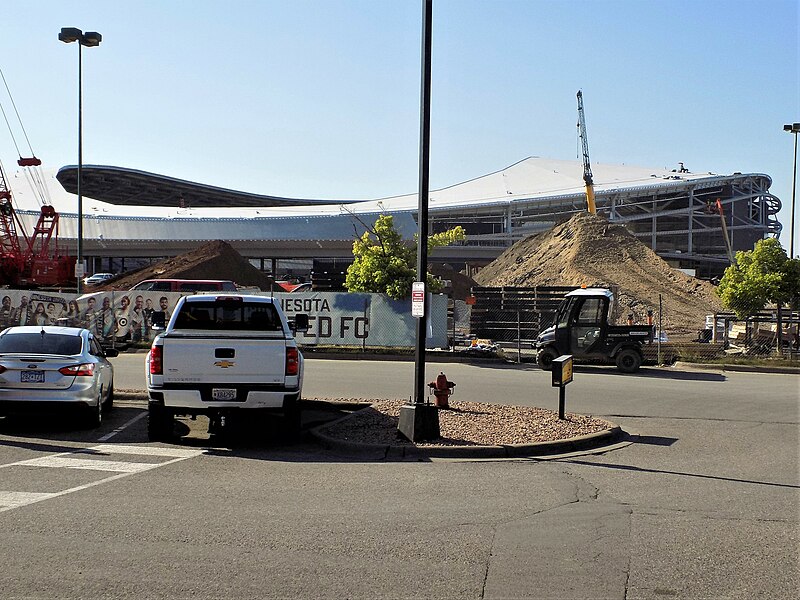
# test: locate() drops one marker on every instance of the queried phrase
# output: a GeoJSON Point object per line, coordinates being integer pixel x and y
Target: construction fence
{"type": "Point", "coordinates": [511, 319]}
{"type": "Point", "coordinates": [123, 319]}
{"type": "Point", "coordinates": [508, 319]}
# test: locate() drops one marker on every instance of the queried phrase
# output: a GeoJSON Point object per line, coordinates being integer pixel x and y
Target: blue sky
{"type": "Point", "coordinates": [320, 98]}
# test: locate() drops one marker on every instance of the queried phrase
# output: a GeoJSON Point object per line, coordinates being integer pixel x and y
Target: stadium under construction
{"type": "Point", "coordinates": [693, 220]}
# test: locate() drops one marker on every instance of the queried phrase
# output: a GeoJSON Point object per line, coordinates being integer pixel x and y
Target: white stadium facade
{"type": "Point", "coordinates": [132, 216]}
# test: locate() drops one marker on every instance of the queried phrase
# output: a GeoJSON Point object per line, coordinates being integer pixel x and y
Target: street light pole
{"type": "Point", "coordinates": [420, 421]}
{"type": "Point", "coordinates": [795, 129]}
{"type": "Point", "coordinates": [89, 39]}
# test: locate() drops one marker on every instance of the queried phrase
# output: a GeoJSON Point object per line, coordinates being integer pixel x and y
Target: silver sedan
{"type": "Point", "coordinates": [46, 370]}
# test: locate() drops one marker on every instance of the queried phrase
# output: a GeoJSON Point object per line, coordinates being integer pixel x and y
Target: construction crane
{"type": "Point", "coordinates": [39, 260]}
{"type": "Point", "coordinates": [587, 167]}
{"type": "Point", "coordinates": [727, 237]}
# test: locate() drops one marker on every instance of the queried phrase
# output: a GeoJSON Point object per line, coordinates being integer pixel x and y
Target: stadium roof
{"type": "Point", "coordinates": [129, 187]}
{"type": "Point", "coordinates": [530, 178]}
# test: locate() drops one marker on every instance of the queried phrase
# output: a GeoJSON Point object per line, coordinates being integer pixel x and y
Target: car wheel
{"type": "Point", "coordinates": [629, 360]}
{"type": "Point", "coordinates": [95, 416]}
{"type": "Point", "coordinates": [159, 423]}
{"type": "Point", "coordinates": [545, 358]}
{"type": "Point", "coordinates": [109, 402]}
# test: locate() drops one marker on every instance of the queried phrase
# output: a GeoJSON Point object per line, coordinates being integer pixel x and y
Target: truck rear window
{"type": "Point", "coordinates": [228, 316]}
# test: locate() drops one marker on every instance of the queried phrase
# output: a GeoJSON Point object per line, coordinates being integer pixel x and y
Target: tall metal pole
{"type": "Point", "coordinates": [90, 39]}
{"type": "Point", "coordinates": [793, 128]}
{"type": "Point", "coordinates": [422, 212]}
{"type": "Point", "coordinates": [80, 168]}
{"type": "Point", "coordinates": [794, 189]}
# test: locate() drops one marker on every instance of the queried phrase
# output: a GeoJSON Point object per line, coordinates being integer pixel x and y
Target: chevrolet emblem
{"type": "Point", "coordinates": [224, 364]}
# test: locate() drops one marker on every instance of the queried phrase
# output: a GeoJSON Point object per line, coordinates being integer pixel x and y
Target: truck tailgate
{"type": "Point", "coordinates": [220, 360]}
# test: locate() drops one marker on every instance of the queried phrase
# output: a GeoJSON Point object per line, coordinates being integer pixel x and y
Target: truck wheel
{"type": "Point", "coordinates": [159, 424]}
{"type": "Point", "coordinates": [292, 420]}
{"type": "Point", "coordinates": [629, 360]}
{"type": "Point", "coordinates": [545, 358]}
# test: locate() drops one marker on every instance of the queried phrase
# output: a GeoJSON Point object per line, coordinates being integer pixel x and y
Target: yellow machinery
{"type": "Point", "coordinates": [587, 168]}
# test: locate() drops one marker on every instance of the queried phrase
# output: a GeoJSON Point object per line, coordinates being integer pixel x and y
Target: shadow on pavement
{"type": "Point", "coordinates": [683, 474]}
{"type": "Point", "coordinates": [653, 440]}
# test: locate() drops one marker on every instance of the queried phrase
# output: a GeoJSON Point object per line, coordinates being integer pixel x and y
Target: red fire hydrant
{"type": "Point", "coordinates": [442, 390]}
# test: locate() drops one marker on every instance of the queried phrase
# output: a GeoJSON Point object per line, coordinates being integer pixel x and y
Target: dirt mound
{"type": "Point", "coordinates": [461, 285]}
{"type": "Point", "coordinates": [588, 250]}
{"type": "Point", "coordinates": [214, 260]}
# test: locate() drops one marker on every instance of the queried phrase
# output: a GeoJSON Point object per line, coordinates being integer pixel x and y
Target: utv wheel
{"type": "Point", "coordinates": [629, 360]}
{"type": "Point", "coordinates": [545, 358]}
{"type": "Point", "coordinates": [159, 424]}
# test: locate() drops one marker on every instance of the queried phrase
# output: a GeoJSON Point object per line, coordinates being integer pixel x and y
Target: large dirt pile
{"type": "Point", "coordinates": [588, 250]}
{"type": "Point", "coordinates": [214, 260]}
{"type": "Point", "coordinates": [460, 285]}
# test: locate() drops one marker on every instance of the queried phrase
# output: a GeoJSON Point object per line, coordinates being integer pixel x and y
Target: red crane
{"type": "Point", "coordinates": [38, 260]}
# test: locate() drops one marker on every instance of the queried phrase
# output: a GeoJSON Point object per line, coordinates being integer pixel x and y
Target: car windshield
{"type": "Point", "coordinates": [40, 343]}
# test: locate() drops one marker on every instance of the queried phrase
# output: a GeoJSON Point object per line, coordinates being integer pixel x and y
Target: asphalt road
{"type": "Point", "coordinates": [704, 503]}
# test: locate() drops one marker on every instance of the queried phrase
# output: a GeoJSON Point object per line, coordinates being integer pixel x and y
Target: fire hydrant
{"type": "Point", "coordinates": [442, 390]}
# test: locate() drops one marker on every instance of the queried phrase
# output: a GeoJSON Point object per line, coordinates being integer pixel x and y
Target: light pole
{"type": "Point", "coordinates": [795, 129]}
{"type": "Point", "coordinates": [88, 39]}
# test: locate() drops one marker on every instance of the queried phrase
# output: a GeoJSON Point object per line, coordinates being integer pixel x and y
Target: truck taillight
{"type": "Point", "coordinates": [292, 361]}
{"type": "Point", "coordinates": [156, 361]}
{"type": "Point", "coordinates": [84, 370]}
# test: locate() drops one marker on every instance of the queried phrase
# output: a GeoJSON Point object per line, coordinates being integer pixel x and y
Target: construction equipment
{"type": "Point", "coordinates": [587, 168]}
{"type": "Point", "coordinates": [38, 261]}
{"type": "Point", "coordinates": [725, 232]}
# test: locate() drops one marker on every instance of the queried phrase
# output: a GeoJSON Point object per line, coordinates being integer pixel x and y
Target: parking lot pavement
{"type": "Point", "coordinates": [704, 504]}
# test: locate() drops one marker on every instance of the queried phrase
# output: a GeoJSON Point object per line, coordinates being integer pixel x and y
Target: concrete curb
{"type": "Point", "coordinates": [430, 356]}
{"type": "Point", "coordinates": [591, 441]}
{"type": "Point", "coordinates": [739, 368]}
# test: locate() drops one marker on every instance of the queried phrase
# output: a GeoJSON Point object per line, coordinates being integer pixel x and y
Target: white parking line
{"type": "Point", "coordinates": [91, 464]}
{"type": "Point", "coordinates": [122, 427]}
{"type": "Point", "coordinates": [10, 500]}
{"type": "Point", "coordinates": [144, 450]}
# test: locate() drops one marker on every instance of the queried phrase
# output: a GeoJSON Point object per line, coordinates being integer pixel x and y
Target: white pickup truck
{"type": "Point", "coordinates": [223, 355]}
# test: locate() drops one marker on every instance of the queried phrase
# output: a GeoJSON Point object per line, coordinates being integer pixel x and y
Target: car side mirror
{"type": "Point", "coordinates": [159, 319]}
{"type": "Point", "coordinates": [111, 352]}
{"type": "Point", "coordinates": [300, 322]}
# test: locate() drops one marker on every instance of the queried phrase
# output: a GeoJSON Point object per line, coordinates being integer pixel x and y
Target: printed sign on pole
{"type": "Point", "coordinates": [418, 299]}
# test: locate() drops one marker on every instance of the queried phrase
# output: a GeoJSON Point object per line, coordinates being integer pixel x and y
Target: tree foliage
{"type": "Point", "coordinates": [384, 263]}
{"type": "Point", "coordinates": [760, 276]}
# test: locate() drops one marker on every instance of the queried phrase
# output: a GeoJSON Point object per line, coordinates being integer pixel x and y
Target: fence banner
{"type": "Point", "coordinates": [336, 318]}
{"type": "Point", "coordinates": [345, 319]}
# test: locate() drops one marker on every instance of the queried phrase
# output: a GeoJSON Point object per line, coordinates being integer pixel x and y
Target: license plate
{"type": "Point", "coordinates": [31, 377]}
{"type": "Point", "coordinates": [223, 393]}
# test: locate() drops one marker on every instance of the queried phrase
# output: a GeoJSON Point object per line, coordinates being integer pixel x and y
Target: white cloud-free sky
{"type": "Point", "coordinates": [320, 98]}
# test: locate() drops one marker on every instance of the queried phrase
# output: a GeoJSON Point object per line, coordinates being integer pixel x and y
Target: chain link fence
{"type": "Point", "coordinates": [510, 319]}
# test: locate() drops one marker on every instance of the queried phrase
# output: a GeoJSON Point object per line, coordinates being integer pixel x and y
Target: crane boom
{"type": "Point", "coordinates": [587, 167]}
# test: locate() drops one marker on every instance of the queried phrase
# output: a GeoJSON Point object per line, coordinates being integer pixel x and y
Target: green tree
{"type": "Point", "coordinates": [384, 263]}
{"type": "Point", "coordinates": [760, 276]}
